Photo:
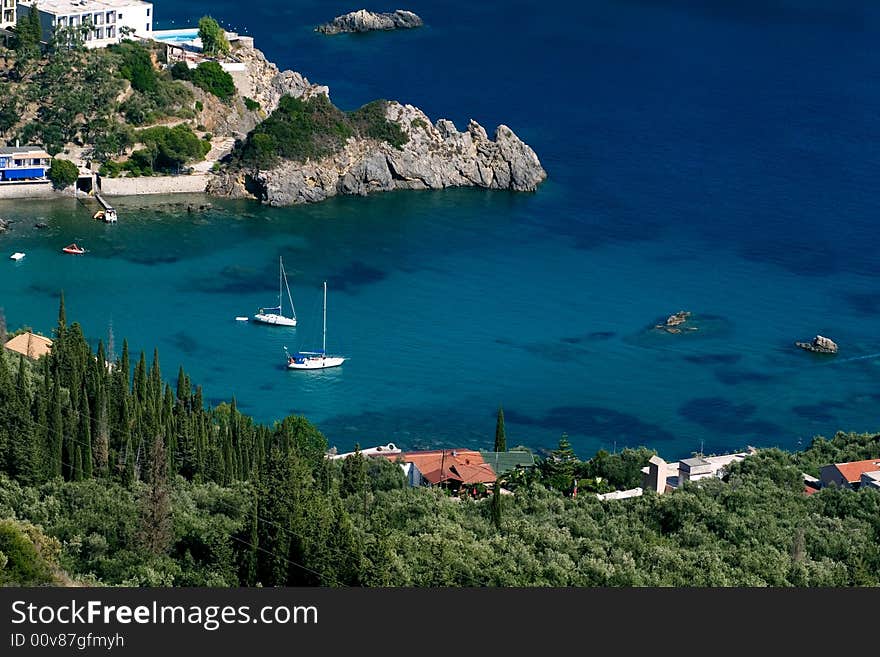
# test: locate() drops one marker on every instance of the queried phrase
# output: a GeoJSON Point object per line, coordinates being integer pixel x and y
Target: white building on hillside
{"type": "Point", "coordinates": [110, 20]}
{"type": "Point", "coordinates": [7, 13]}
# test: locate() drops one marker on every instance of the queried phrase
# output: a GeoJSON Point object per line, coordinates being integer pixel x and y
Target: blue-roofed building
{"type": "Point", "coordinates": [23, 163]}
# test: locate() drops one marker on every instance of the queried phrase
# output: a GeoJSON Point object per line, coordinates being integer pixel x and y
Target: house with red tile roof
{"type": "Point", "coordinates": [450, 468]}
{"type": "Point", "coordinates": [848, 475]}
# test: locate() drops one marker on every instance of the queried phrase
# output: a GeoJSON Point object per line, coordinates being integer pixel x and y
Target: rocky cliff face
{"type": "Point", "coordinates": [366, 21]}
{"type": "Point", "coordinates": [260, 81]}
{"type": "Point", "coordinates": [436, 156]}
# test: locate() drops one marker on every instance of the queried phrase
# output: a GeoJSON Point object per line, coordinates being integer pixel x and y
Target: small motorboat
{"type": "Point", "coordinates": [16, 256]}
{"type": "Point", "coordinates": [73, 249]}
{"type": "Point", "coordinates": [241, 319]}
{"type": "Point", "coordinates": [108, 216]}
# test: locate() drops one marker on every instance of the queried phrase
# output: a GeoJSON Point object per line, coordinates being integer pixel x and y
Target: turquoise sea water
{"type": "Point", "coordinates": [718, 157]}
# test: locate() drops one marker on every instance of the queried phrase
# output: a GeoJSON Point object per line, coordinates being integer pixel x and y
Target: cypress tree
{"type": "Point", "coordinates": [85, 437]}
{"type": "Point", "coordinates": [2, 327]}
{"type": "Point", "coordinates": [128, 475]}
{"type": "Point", "coordinates": [77, 463]}
{"type": "Point", "coordinates": [183, 391]}
{"type": "Point", "coordinates": [155, 533]}
{"type": "Point", "coordinates": [62, 319]}
{"type": "Point", "coordinates": [125, 365]}
{"type": "Point", "coordinates": [55, 435]}
{"type": "Point", "coordinates": [22, 448]}
{"type": "Point", "coordinates": [111, 344]}
{"type": "Point", "coordinates": [500, 436]}
{"type": "Point", "coordinates": [496, 504]}
{"type": "Point", "coordinates": [139, 384]}
{"type": "Point", "coordinates": [40, 463]}
{"type": "Point", "coordinates": [102, 439]}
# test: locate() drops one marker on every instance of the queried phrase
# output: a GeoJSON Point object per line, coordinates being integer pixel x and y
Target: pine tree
{"type": "Point", "coordinates": [500, 436]}
{"type": "Point", "coordinates": [155, 532]}
{"type": "Point", "coordinates": [3, 335]}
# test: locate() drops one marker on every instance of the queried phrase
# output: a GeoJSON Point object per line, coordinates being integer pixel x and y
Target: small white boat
{"type": "Point", "coordinates": [18, 255]}
{"type": "Point", "coordinates": [241, 319]}
{"type": "Point", "coordinates": [275, 315]}
{"type": "Point", "coordinates": [314, 360]}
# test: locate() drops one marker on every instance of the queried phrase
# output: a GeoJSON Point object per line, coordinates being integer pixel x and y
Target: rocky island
{"type": "Point", "coordinates": [368, 21]}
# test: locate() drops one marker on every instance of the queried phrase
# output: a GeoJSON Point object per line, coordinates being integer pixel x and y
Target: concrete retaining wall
{"type": "Point", "coordinates": [30, 190]}
{"type": "Point", "coordinates": [194, 183]}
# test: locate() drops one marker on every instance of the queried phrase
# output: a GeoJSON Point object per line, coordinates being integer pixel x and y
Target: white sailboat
{"type": "Point", "coordinates": [276, 314]}
{"type": "Point", "coordinates": [314, 360]}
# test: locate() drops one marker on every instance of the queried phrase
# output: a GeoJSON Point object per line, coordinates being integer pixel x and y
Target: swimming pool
{"type": "Point", "coordinates": [188, 36]}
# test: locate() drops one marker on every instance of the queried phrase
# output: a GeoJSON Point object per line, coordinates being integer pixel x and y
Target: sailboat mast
{"type": "Point", "coordinates": [280, 272]}
{"type": "Point", "coordinates": [324, 340]}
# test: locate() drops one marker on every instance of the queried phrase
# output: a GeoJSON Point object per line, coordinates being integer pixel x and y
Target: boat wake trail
{"type": "Point", "coordinates": [869, 356]}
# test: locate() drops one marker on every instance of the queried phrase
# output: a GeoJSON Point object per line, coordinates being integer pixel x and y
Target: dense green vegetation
{"type": "Point", "coordinates": [211, 77]}
{"type": "Point", "coordinates": [310, 129]}
{"type": "Point", "coordinates": [135, 481]}
{"type": "Point", "coordinates": [63, 173]}
{"type": "Point", "coordinates": [77, 95]}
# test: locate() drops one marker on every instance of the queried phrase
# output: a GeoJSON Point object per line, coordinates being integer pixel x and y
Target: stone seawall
{"type": "Point", "coordinates": [30, 190]}
{"type": "Point", "coordinates": [194, 183]}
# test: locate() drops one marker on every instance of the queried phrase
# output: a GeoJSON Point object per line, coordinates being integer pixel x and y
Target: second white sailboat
{"type": "Point", "coordinates": [314, 360]}
{"type": "Point", "coordinates": [275, 315]}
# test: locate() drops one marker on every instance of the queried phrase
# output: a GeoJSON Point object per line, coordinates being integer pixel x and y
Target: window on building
{"type": "Point", "coordinates": [148, 27]}
{"type": "Point", "coordinates": [148, 11]}
{"type": "Point", "coordinates": [99, 33]}
{"type": "Point", "coordinates": [111, 32]}
{"type": "Point", "coordinates": [120, 15]}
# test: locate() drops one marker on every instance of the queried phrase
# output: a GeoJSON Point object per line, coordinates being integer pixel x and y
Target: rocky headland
{"type": "Point", "coordinates": [435, 155]}
{"type": "Point", "coordinates": [368, 21]}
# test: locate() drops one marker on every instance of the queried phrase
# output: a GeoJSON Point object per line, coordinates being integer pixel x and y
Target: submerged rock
{"type": "Point", "coordinates": [4, 225]}
{"type": "Point", "coordinates": [368, 21]}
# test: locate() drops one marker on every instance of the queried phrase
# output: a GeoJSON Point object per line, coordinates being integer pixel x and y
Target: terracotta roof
{"type": "Point", "coordinates": [462, 465]}
{"type": "Point", "coordinates": [853, 471]}
{"type": "Point", "coordinates": [30, 345]}
{"type": "Point", "coordinates": [809, 490]}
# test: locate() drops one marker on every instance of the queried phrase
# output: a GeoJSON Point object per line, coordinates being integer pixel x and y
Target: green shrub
{"type": "Point", "coordinates": [211, 77]}
{"type": "Point", "coordinates": [369, 121]}
{"type": "Point", "coordinates": [199, 106]}
{"type": "Point", "coordinates": [110, 169]}
{"type": "Point", "coordinates": [251, 104]}
{"type": "Point", "coordinates": [22, 562]}
{"type": "Point", "coordinates": [170, 148]}
{"type": "Point", "coordinates": [63, 173]}
{"type": "Point", "coordinates": [313, 128]}
{"type": "Point", "coordinates": [137, 66]}
{"type": "Point", "coordinates": [181, 71]}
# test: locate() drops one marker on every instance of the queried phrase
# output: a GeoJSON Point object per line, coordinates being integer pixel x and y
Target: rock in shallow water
{"type": "Point", "coordinates": [368, 21]}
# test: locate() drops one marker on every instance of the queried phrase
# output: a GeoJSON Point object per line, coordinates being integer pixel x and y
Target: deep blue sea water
{"type": "Point", "coordinates": [718, 157]}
